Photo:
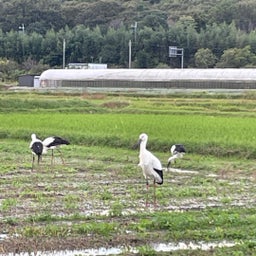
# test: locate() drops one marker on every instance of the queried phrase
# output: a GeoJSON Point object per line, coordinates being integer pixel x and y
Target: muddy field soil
{"type": "Point", "coordinates": [93, 203]}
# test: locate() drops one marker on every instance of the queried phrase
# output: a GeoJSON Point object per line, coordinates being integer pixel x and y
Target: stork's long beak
{"type": "Point", "coordinates": [137, 144]}
{"type": "Point", "coordinates": [168, 165]}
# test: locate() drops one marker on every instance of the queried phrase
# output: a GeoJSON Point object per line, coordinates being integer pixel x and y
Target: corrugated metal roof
{"type": "Point", "coordinates": [149, 74]}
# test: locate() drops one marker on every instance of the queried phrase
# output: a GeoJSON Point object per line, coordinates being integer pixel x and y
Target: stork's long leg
{"type": "Point", "coordinates": [147, 186]}
{"type": "Point", "coordinates": [154, 193]}
{"type": "Point", "coordinates": [33, 160]}
{"type": "Point", "coordinates": [61, 156]}
{"type": "Point", "coordinates": [38, 159]}
{"type": "Point", "coordinates": [52, 158]}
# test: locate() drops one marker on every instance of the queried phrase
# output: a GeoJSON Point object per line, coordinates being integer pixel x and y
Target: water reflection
{"type": "Point", "coordinates": [164, 247]}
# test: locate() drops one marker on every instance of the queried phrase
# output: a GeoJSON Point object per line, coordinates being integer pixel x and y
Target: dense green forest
{"type": "Point", "coordinates": [217, 33]}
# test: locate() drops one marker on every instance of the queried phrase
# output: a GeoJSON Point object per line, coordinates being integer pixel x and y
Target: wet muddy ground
{"type": "Point", "coordinates": [102, 189]}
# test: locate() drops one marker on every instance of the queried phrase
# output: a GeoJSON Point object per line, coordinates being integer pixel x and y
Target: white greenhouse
{"type": "Point", "coordinates": [150, 78]}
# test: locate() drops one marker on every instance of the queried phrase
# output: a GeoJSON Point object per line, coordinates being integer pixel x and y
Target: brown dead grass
{"type": "Point", "coordinates": [115, 104]}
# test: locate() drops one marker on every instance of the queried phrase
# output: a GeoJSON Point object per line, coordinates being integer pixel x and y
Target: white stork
{"type": "Point", "coordinates": [54, 142]}
{"type": "Point", "coordinates": [177, 151]}
{"type": "Point", "coordinates": [150, 165]}
{"type": "Point", "coordinates": [37, 149]}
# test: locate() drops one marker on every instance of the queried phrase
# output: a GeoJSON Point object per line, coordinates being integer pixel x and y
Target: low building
{"type": "Point", "coordinates": [87, 66]}
{"type": "Point", "coordinates": [29, 80]}
{"type": "Point", "coordinates": [151, 78]}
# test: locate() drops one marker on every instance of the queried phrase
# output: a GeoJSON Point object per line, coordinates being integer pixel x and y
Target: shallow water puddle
{"type": "Point", "coordinates": [191, 246]}
{"type": "Point", "coordinates": [175, 170]}
{"type": "Point", "coordinates": [86, 252]}
{"type": "Point", "coordinates": [160, 247]}
{"type": "Point", "coordinates": [3, 236]}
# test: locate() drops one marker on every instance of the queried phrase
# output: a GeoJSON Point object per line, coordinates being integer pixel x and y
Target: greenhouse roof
{"type": "Point", "coordinates": [149, 74]}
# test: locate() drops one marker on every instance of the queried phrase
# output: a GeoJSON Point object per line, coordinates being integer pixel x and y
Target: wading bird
{"type": "Point", "coordinates": [37, 149]}
{"type": "Point", "coordinates": [177, 151]}
{"type": "Point", "coordinates": [150, 165]}
{"type": "Point", "coordinates": [54, 142]}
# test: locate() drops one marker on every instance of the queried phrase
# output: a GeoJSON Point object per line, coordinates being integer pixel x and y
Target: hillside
{"type": "Point", "coordinates": [40, 16]}
{"type": "Point", "coordinates": [218, 33]}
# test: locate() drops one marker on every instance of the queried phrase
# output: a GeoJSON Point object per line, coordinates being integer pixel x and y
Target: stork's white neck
{"type": "Point", "coordinates": [143, 144]}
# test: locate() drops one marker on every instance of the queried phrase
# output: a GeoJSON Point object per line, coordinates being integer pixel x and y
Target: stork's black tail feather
{"type": "Point", "coordinates": [59, 141]}
{"type": "Point", "coordinates": [160, 173]}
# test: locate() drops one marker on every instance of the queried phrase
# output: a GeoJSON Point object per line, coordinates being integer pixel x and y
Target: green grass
{"type": "Point", "coordinates": [214, 135]}
{"type": "Point", "coordinates": [99, 195]}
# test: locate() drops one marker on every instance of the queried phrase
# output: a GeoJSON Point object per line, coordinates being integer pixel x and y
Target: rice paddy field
{"type": "Point", "coordinates": [94, 204]}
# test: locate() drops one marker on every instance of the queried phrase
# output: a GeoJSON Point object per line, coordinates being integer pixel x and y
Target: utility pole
{"type": "Point", "coordinates": [130, 53]}
{"type": "Point", "coordinates": [64, 54]}
{"type": "Point", "coordinates": [22, 28]}
{"type": "Point", "coordinates": [134, 27]}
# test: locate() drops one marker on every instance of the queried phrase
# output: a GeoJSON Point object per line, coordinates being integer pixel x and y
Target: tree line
{"type": "Point", "coordinates": [206, 45]}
